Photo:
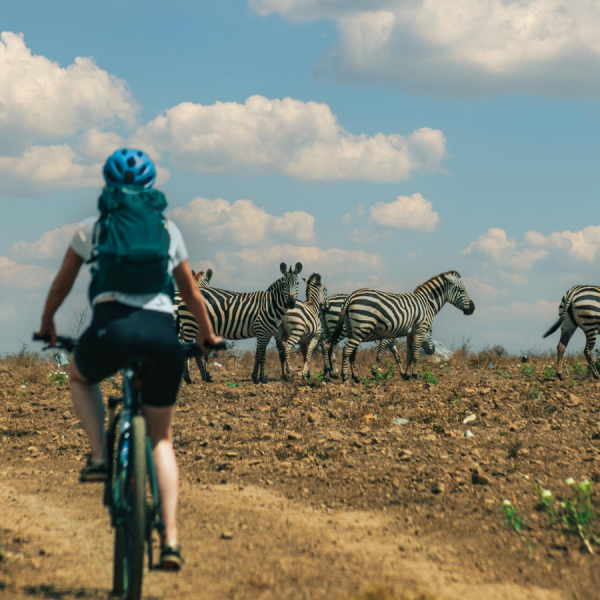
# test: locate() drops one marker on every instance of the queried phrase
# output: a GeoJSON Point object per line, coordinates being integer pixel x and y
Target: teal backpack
{"type": "Point", "coordinates": [130, 246]}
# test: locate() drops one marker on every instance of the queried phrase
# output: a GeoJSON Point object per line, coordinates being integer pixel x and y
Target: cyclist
{"type": "Point", "coordinates": [131, 323]}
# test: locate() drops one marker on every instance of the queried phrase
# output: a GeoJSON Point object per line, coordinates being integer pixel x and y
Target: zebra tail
{"type": "Point", "coordinates": [337, 332]}
{"type": "Point", "coordinates": [567, 302]}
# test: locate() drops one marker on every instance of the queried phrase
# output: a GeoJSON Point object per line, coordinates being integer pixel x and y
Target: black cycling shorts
{"type": "Point", "coordinates": [117, 331]}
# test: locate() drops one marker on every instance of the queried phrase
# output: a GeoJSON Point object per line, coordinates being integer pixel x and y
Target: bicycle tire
{"type": "Point", "coordinates": [120, 553]}
{"type": "Point", "coordinates": [137, 517]}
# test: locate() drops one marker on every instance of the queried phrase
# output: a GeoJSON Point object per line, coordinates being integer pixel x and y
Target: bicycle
{"type": "Point", "coordinates": [131, 489]}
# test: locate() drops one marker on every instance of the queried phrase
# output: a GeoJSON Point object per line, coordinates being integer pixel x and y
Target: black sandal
{"type": "Point", "coordinates": [93, 471]}
{"type": "Point", "coordinates": [170, 557]}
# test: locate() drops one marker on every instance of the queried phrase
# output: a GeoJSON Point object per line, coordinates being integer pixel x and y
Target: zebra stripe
{"type": "Point", "coordinates": [302, 325]}
{"type": "Point", "coordinates": [202, 281]}
{"type": "Point", "coordinates": [371, 314]}
{"type": "Point", "coordinates": [238, 315]}
{"type": "Point", "coordinates": [580, 307]}
{"type": "Point", "coordinates": [332, 319]}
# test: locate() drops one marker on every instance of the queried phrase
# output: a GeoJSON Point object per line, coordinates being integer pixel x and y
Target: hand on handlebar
{"type": "Point", "coordinates": [48, 330]}
{"type": "Point", "coordinates": [207, 341]}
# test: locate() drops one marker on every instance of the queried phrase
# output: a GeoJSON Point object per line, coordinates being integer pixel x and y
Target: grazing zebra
{"type": "Point", "coordinates": [384, 315]}
{"type": "Point", "coordinates": [302, 325]}
{"type": "Point", "coordinates": [239, 316]}
{"type": "Point", "coordinates": [330, 321]}
{"type": "Point", "coordinates": [580, 307]}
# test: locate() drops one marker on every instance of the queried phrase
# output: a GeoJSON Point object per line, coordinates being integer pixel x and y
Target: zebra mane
{"type": "Point", "coordinates": [425, 285]}
{"type": "Point", "coordinates": [274, 284]}
{"type": "Point", "coordinates": [314, 278]}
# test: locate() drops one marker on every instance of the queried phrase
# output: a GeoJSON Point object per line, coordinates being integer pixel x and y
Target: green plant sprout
{"type": "Point", "coordinates": [549, 372]}
{"type": "Point", "coordinates": [512, 517]}
{"type": "Point", "coordinates": [428, 376]}
{"type": "Point", "coordinates": [58, 378]}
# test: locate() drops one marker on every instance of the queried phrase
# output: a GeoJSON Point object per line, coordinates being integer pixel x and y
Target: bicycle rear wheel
{"type": "Point", "coordinates": [130, 535]}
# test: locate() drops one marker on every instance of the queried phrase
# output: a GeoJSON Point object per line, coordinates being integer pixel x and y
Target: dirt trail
{"type": "Point", "coordinates": [278, 548]}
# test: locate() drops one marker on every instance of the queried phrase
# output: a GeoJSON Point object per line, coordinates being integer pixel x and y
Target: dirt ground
{"type": "Point", "coordinates": [313, 491]}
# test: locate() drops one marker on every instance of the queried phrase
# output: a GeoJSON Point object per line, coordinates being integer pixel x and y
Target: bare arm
{"type": "Point", "coordinates": [192, 296]}
{"type": "Point", "coordinates": [61, 286]}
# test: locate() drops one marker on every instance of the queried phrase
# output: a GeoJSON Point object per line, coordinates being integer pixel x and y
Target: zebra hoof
{"type": "Point", "coordinates": [405, 377]}
{"type": "Point", "coordinates": [334, 375]}
{"type": "Point", "coordinates": [355, 379]}
{"type": "Point", "coordinates": [560, 376]}
{"type": "Point", "coordinates": [188, 381]}
{"type": "Point", "coordinates": [208, 379]}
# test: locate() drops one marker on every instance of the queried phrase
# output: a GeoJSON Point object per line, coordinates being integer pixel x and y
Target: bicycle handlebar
{"type": "Point", "coordinates": [62, 342]}
{"type": "Point", "coordinates": [69, 343]}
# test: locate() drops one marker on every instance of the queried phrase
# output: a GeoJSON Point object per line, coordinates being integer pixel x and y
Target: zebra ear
{"type": "Point", "coordinates": [298, 268]}
{"type": "Point", "coordinates": [283, 268]}
{"type": "Point", "coordinates": [193, 273]}
{"type": "Point", "coordinates": [209, 274]}
{"type": "Point", "coordinates": [304, 279]}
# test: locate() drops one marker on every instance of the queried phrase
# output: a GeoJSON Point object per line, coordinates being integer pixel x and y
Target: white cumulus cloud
{"type": "Point", "coordinates": [23, 277]}
{"type": "Point", "coordinates": [242, 223]}
{"type": "Point", "coordinates": [461, 47]}
{"type": "Point", "coordinates": [52, 244]}
{"type": "Point", "coordinates": [39, 99]}
{"type": "Point", "coordinates": [300, 139]}
{"type": "Point", "coordinates": [542, 310]}
{"type": "Point", "coordinates": [406, 212]}
{"type": "Point", "coordinates": [42, 167]}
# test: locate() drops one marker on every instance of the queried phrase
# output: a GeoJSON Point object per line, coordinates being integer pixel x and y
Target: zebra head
{"type": "Point", "coordinates": [202, 279]}
{"type": "Point", "coordinates": [457, 294]}
{"type": "Point", "coordinates": [289, 283]}
{"type": "Point", "coordinates": [317, 292]}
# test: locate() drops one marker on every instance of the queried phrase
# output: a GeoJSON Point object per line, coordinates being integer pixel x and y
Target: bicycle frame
{"type": "Point", "coordinates": [118, 469]}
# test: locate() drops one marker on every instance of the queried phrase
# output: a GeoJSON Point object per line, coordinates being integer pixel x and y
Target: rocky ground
{"type": "Point", "coordinates": [377, 490]}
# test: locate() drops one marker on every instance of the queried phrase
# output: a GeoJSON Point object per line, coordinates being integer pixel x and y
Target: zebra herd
{"type": "Point", "coordinates": [363, 316]}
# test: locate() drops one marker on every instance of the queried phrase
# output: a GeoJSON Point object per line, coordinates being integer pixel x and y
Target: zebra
{"type": "Point", "coordinates": [302, 325]}
{"type": "Point", "coordinates": [330, 320]}
{"type": "Point", "coordinates": [241, 315]}
{"type": "Point", "coordinates": [385, 315]}
{"type": "Point", "coordinates": [580, 307]}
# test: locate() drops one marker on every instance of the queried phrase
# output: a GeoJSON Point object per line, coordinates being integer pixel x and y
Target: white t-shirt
{"type": "Point", "coordinates": [81, 244]}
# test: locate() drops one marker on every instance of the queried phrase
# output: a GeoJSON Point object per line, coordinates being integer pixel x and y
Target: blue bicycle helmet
{"type": "Point", "coordinates": [127, 166]}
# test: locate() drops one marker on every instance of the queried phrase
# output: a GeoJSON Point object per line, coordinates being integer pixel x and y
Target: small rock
{"type": "Point", "coordinates": [231, 454]}
{"type": "Point", "coordinates": [438, 488]}
{"type": "Point", "coordinates": [292, 435]}
{"type": "Point", "coordinates": [335, 436]}
{"type": "Point", "coordinates": [478, 479]}
{"type": "Point", "coordinates": [469, 419]}
{"type": "Point", "coordinates": [312, 417]}
{"type": "Point", "coordinates": [227, 535]}
{"type": "Point", "coordinates": [405, 455]}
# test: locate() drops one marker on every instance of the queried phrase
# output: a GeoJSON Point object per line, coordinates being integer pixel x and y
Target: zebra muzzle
{"type": "Point", "coordinates": [471, 308]}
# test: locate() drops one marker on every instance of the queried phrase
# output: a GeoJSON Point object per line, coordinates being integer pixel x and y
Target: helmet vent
{"type": "Point", "coordinates": [131, 162]}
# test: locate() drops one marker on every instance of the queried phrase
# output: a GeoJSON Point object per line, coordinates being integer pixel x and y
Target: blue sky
{"type": "Point", "coordinates": [509, 104]}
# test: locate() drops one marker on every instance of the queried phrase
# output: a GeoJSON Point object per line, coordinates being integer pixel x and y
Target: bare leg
{"type": "Point", "coordinates": [160, 432]}
{"type": "Point", "coordinates": [89, 407]}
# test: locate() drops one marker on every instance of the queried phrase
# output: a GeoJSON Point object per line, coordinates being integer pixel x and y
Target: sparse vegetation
{"type": "Point", "coordinates": [428, 376]}
{"type": "Point", "coordinates": [512, 517]}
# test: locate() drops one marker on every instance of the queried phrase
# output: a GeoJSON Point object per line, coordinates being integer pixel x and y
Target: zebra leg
{"type": "Point", "coordinates": [287, 349]}
{"type": "Point", "coordinates": [325, 349]}
{"type": "Point", "coordinates": [590, 336]}
{"type": "Point", "coordinates": [335, 374]}
{"type": "Point", "coordinates": [308, 352]}
{"type": "Point", "coordinates": [383, 346]}
{"type": "Point", "coordinates": [396, 354]}
{"type": "Point", "coordinates": [281, 350]}
{"type": "Point", "coordinates": [202, 364]}
{"type": "Point", "coordinates": [409, 356]}
{"type": "Point", "coordinates": [355, 377]}
{"type": "Point", "coordinates": [567, 331]}
{"type": "Point", "coordinates": [349, 347]}
{"type": "Point", "coordinates": [186, 370]}
{"type": "Point", "coordinates": [417, 340]}
{"type": "Point", "coordinates": [258, 373]}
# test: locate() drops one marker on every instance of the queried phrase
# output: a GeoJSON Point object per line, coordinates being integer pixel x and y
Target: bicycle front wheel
{"type": "Point", "coordinates": [136, 533]}
{"type": "Point", "coordinates": [130, 531]}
